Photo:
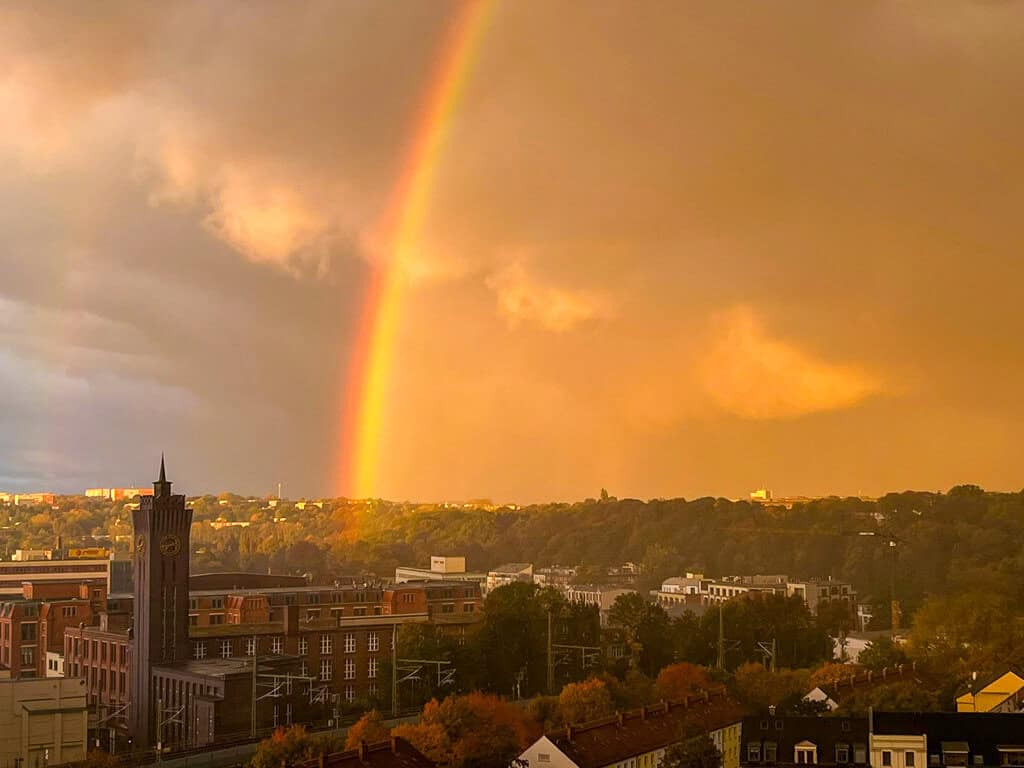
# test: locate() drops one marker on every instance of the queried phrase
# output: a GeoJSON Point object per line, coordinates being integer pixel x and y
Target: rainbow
{"type": "Point", "coordinates": [369, 371]}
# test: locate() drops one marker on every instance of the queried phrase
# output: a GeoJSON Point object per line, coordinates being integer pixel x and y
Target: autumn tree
{"type": "Point", "coordinates": [586, 701]}
{"type": "Point", "coordinates": [293, 745]}
{"type": "Point", "coordinates": [831, 673]}
{"type": "Point", "coordinates": [370, 728]}
{"type": "Point", "coordinates": [679, 680]}
{"type": "Point", "coordinates": [470, 731]}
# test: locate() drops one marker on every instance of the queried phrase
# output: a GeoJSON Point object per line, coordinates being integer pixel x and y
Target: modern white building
{"type": "Point", "coordinates": [442, 567]}
{"type": "Point", "coordinates": [509, 573]}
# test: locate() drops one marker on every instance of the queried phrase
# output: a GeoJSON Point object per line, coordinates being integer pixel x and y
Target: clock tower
{"type": "Point", "coordinates": [160, 567]}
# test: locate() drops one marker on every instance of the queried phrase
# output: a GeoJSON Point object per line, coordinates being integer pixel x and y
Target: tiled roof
{"type": "Point", "coordinates": [396, 753]}
{"type": "Point", "coordinates": [625, 735]}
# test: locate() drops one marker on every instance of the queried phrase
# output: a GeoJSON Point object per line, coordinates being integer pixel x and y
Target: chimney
{"type": "Point", "coordinates": [362, 751]}
{"type": "Point", "coordinates": [290, 620]}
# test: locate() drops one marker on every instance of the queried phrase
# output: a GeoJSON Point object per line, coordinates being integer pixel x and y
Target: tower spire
{"type": "Point", "coordinates": [162, 487]}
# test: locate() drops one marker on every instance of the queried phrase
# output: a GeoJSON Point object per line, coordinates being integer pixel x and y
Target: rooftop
{"type": "Point", "coordinates": [628, 734]}
{"type": "Point", "coordinates": [396, 753]}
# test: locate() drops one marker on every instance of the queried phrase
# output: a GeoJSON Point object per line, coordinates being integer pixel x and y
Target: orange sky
{"type": "Point", "coordinates": [672, 248]}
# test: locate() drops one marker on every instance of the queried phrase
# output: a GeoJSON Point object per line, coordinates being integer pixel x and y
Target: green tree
{"type": "Point", "coordinates": [647, 630]}
{"type": "Point", "coordinates": [695, 752]}
{"type": "Point", "coordinates": [880, 654]}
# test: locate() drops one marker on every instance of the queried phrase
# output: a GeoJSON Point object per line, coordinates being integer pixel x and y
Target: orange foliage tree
{"type": "Point", "coordinates": [471, 730]}
{"type": "Point", "coordinates": [582, 702]}
{"type": "Point", "coordinates": [683, 679]}
{"type": "Point", "coordinates": [369, 728]}
{"type": "Point", "coordinates": [831, 673]}
{"type": "Point", "coordinates": [293, 745]}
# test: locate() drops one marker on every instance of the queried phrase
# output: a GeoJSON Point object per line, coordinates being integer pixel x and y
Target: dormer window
{"type": "Point", "coordinates": [954, 753]}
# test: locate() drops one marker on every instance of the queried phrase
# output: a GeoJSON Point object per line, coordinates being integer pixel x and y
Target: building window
{"type": "Point", "coordinates": [1007, 756]}
{"type": "Point", "coordinates": [193, 604]}
{"type": "Point", "coordinates": [326, 645]}
{"type": "Point", "coordinates": [217, 602]}
{"type": "Point", "coordinates": [543, 757]}
{"type": "Point", "coordinates": [250, 646]}
{"type": "Point", "coordinates": [276, 644]}
{"type": "Point", "coordinates": [886, 757]}
{"type": "Point", "coordinates": [448, 608]}
{"type": "Point", "coordinates": [350, 693]}
{"type": "Point", "coordinates": [216, 619]}
{"type": "Point", "coordinates": [842, 754]}
{"type": "Point", "coordinates": [372, 642]}
{"type": "Point", "coordinates": [468, 607]}
{"type": "Point", "coordinates": [193, 620]}
{"type": "Point", "coordinates": [408, 597]}
{"type": "Point", "coordinates": [908, 759]}
{"type": "Point", "coordinates": [314, 599]}
{"type": "Point", "coordinates": [28, 657]}
{"type": "Point", "coordinates": [68, 610]}
{"type": "Point", "coordinates": [359, 611]}
{"type": "Point", "coordinates": [753, 752]}
{"type": "Point", "coordinates": [225, 649]}
{"type": "Point", "coordinates": [350, 643]}
{"type": "Point", "coordinates": [350, 669]}
{"type": "Point", "coordinates": [860, 753]}
{"type": "Point", "coordinates": [372, 669]}
{"type": "Point", "coordinates": [770, 751]}
{"type": "Point", "coordinates": [373, 690]}
{"type": "Point", "coordinates": [28, 632]}
{"type": "Point", "coordinates": [312, 613]}
{"type": "Point", "coordinates": [199, 651]}
{"type": "Point", "coordinates": [303, 646]}
{"type": "Point", "coordinates": [326, 669]}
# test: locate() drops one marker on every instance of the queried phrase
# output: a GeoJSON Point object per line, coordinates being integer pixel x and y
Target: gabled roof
{"type": "Point", "coordinates": [396, 753]}
{"type": "Point", "coordinates": [628, 734]}
{"type": "Point", "coordinates": [993, 694]}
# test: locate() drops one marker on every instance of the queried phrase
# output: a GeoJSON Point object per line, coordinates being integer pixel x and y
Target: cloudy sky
{"type": "Point", "coordinates": [673, 248]}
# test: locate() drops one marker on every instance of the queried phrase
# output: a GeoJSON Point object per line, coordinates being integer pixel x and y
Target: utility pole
{"type": "Point", "coordinates": [894, 604]}
{"type": "Point", "coordinates": [255, 658]}
{"type": "Point", "coordinates": [394, 670]}
{"type": "Point", "coordinates": [720, 664]}
{"type": "Point", "coordinates": [551, 663]}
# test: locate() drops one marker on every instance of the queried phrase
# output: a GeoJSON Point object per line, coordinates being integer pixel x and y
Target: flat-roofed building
{"type": "Point", "coordinates": [42, 721]}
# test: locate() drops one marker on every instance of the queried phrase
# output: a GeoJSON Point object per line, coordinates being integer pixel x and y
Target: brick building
{"type": "Point", "coordinates": [174, 662]}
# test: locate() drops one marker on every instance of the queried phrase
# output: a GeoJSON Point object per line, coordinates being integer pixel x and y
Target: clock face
{"type": "Point", "coordinates": [140, 544]}
{"type": "Point", "coordinates": [170, 545]}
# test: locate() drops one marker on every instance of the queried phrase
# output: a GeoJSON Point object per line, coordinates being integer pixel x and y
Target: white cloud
{"type": "Point", "coordinates": [751, 374]}
{"type": "Point", "coordinates": [523, 297]}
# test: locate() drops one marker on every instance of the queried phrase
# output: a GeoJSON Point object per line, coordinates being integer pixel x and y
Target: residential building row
{"type": "Point", "coordinates": [642, 738]}
{"type": "Point", "coordinates": [696, 590]}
